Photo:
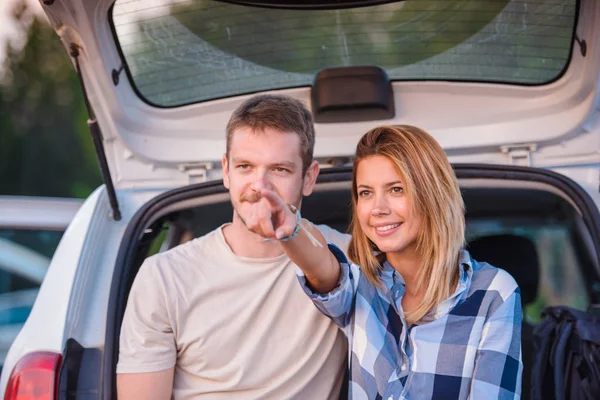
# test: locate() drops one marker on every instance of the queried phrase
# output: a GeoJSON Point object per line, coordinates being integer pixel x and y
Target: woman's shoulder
{"type": "Point", "coordinates": [489, 289]}
{"type": "Point", "coordinates": [490, 278]}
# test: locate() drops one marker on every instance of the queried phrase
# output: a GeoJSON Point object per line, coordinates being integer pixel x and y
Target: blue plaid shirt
{"type": "Point", "coordinates": [468, 347]}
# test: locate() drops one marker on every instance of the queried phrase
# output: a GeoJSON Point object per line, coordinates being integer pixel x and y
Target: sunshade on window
{"type": "Point", "coordinates": [184, 51]}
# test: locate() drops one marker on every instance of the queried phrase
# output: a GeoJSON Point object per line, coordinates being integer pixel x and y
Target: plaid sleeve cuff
{"type": "Point", "coordinates": [343, 282]}
{"type": "Point", "coordinates": [338, 302]}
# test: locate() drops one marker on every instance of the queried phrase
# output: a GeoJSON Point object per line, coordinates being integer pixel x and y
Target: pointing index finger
{"type": "Point", "coordinates": [273, 199]}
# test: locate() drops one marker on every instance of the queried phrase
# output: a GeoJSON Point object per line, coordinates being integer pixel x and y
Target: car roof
{"type": "Point", "coordinates": [43, 213]}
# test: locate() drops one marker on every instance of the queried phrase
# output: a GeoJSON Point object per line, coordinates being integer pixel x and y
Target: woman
{"type": "Point", "coordinates": [422, 318]}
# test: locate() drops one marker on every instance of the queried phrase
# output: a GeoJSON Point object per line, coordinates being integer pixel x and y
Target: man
{"type": "Point", "coordinates": [223, 316]}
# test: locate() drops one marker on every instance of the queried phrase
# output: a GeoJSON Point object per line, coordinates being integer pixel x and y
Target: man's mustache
{"type": "Point", "coordinates": [252, 197]}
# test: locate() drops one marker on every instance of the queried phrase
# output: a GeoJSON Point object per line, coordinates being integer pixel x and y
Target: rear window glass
{"type": "Point", "coordinates": [183, 51]}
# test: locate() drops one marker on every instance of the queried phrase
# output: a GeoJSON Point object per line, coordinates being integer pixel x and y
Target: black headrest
{"type": "Point", "coordinates": [515, 254]}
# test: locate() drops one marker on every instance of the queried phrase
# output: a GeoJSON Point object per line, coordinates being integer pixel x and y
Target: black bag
{"type": "Point", "coordinates": [566, 362]}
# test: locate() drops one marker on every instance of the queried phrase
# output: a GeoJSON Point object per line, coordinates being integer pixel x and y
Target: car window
{"type": "Point", "coordinates": [24, 258]}
{"type": "Point", "coordinates": [561, 280]}
{"type": "Point", "coordinates": [41, 241]}
{"type": "Point", "coordinates": [184, 51]}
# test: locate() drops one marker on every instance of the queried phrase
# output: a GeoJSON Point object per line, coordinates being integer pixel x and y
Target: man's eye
{"type": "Point", "coordinates": [243, 166]}
{"type": "Point", "coordinates": [281, 169]}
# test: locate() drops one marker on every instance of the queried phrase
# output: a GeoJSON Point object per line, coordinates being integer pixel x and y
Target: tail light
{"type": "Point", "coordinates": [35, 377]}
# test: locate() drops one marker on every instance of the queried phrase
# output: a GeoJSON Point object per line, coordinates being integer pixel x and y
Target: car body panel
{"type": "Point", "coordinates": [51, 213]}
{"type": "Point", "coordinates": [148, 146]}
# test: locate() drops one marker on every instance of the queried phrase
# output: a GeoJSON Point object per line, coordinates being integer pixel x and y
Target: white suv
{"type": "Point", "coordinates": [510, 88]}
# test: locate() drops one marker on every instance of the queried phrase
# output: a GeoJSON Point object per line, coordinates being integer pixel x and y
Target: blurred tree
{"type": "Point", "coordinates": [45, 146]}
{"type": "Point", "coordinates": [389, 35]}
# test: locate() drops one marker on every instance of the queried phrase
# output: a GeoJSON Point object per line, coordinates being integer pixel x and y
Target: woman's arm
{"type": "Point", "coordinates": [498, 365]}
{"type": "Point", "coordinates": [273, 219]}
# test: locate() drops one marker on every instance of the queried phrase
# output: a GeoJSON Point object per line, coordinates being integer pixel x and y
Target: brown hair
{"type": "Point", "coordinates": [282, 113]}
{"type": "Point", "coordinates": [432, 190]}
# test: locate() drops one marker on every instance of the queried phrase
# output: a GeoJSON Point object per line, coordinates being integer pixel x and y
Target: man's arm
{"type": "Point", "coordinates": [150, 385]}
{"type": "Point", "coordinates": [147, 348]}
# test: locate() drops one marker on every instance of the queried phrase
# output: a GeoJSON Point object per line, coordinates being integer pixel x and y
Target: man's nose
{"type": "Point", "coordinates": [260, 181]}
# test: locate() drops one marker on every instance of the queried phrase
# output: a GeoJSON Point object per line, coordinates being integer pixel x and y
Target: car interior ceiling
{"type": "Point", "coordinates": [330, 204]}
{"type": "Point", "coordinates": [518, 205]}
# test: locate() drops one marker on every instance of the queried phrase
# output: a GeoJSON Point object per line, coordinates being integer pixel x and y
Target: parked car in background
{"type": "Point", "coordinates": [509, 88]}
{"type": "Point", "coordinates": [30, 230]}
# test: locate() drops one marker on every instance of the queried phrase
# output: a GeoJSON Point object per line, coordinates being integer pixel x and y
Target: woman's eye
{"type": "Point", "coordinates": [397, 189]}
{"type": "Point", "coordinates": [363, 193]}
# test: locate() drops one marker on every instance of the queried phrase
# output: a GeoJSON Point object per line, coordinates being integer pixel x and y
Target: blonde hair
{"type": "Point", "coordinates": [432, 191]}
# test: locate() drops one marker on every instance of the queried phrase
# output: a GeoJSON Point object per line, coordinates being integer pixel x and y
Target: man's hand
{"type": "Point", "coordinates": [272, 217]}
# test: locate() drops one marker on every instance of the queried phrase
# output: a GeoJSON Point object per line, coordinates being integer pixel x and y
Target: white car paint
{"type": "Point", "coordinates": [30, 212]}
{"type": "Point", "coordinates": [150, 147]}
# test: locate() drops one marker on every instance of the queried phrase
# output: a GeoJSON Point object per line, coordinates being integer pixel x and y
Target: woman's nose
{"type": "Point", "coordinates": [380, 206]}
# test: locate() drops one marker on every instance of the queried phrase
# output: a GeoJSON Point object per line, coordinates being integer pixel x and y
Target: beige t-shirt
{"type": "Point", "coordinates": [233, 327]}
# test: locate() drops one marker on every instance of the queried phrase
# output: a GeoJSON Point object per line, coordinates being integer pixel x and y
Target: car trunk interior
{"type": "Point", "coordinates": [537, 225]}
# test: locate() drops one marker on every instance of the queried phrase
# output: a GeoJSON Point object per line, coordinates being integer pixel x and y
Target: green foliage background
{"type": "Point", "coordinates": [398, 34]}
{"type": "Point", "coordinates": [45, 145]}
